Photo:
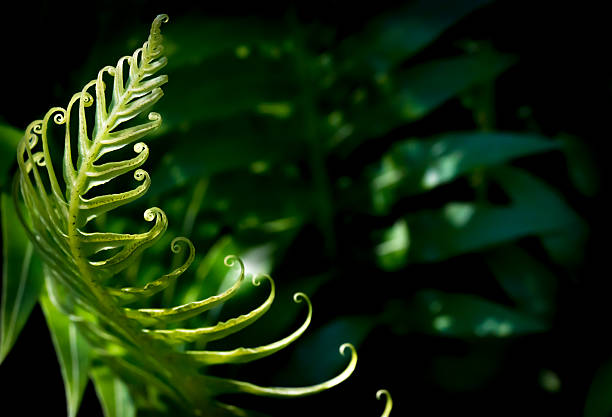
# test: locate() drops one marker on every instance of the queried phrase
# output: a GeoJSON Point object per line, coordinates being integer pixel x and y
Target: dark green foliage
{"type": "Point", "coordinates": [374, 165]}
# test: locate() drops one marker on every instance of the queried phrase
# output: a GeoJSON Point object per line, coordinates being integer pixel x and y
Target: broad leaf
{"type": "Point", "coordinates": [9, 138]}
{"type": "Point", "coordinates": [112, 393]}
{"type": "Point", "coordinates": [599, 400]}
{"type": "Point", "coordinates": [72, 351]}
{"type": "Point", "coordinates": [535, 210]}
{"type": "Point", "coordinates": [466, 316]}
{"type": "Point", "coordinates": [392, 251]}
{"type": "Point", "coordinates": [21, 277]}
{"type": "Point", "coordinates": [418, 165]}
{"type": "Point", "coordinates": [394, 37]}
{"type": "Point", "coordinates": [191, 41]}
{"type": "Point", "coordinates": [424, 87]}
{"type": "Point", "coordinates": [582, 166]}
{"type": "Point", "coordinates": [409, 95]}
{"type": "Point", "coordinates": [244, 85]}
{"type": "Point", "coordinates": [528, 282]}
{"type": "Point", "coordinates": [562, 231]}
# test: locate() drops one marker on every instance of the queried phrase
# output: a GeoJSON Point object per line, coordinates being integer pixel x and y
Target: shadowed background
{"type": "Point", "coordinates": [429, 173]}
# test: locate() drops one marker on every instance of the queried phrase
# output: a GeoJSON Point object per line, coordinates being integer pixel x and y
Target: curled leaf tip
{"type": "Point", "coordinates": [162, 18]}
{"type": "Point", "coordinates": [256, 280]}
{"type": "Point", "coordinates": [154, 116]}
{"type": "Point", "coordinates": [346, 346]}
{"type": "Point", "coordinates": [156, 25]}
{"type": "Point", "coordinates": [153, 46]}
{"type": "Point", "coordinates": [298, 297]}
{"type": "Point", "coordinates": [179, 243]}
{"type": "Point", "coordinates": [389, 401]}
{"type": "Point", "coordinates": [151, 213]}
{"type": "Point", "coordinates": [230, 260]}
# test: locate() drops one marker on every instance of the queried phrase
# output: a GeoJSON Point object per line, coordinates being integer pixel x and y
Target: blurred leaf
{"type": "Point", "coordinates": [226, 145]}
{"type": "Point", "coordinates": [582, 167]}
{"type": "Point", "coordinates": [411, 94]}
{"type": "Point", "coordinates": [468, 372]}
{"type": "Point", "coordinates": [191, 40]}
{"type": "Point", "coordinates": [466, 227]}
{"type": "Point", "coordinates": [422, 88]}
{"type": "Point", "coordinates": [276, 208]}
{"type": "Point", "coordinates": [392, 251]}
{"type": "Point", "coordinates": [396, 36]}
{"type": "Point", "coordinates": [466, 315]}
{"type": "Point", "coordinates": [526, 281]}
{"type": "Point", "coordinates": [72, 353]}
{"type": "Point", "coordinates": [599, 400]}
{"type": "Point", "coordinates": [240, 85]}
{"type": "Point", "coordinates": [113, 394]}
{"type": "Point", "coordinates": [316, 356]}
{"type": "Point", "coordinates": [562, 231]}
{"type": "Point", "coordinates": [21, 277]}
{"type": "Point", "coordinates": [9, 137]}
{"type": "Point", "coordinates": [417, 165]}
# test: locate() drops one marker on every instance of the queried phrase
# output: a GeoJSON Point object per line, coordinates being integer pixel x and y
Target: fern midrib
{"type": "Point", "coordinates": [147, 345]}
{"type": "Point", "coordinates": [106, 302]}
{"type": "Point", "coordinates": [79, 186]}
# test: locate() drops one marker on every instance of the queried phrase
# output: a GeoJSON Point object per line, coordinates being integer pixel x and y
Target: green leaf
{"type": "Point", "coordinates": [225, 149]}
{"type": "Point", "coordinates": [72, 353]}
{"type": "Point", "coordinates": [9, 138]}
{"type": "Point", "coordinates": [536, 210]}
{"type": "Point", "coordinates": [397, 36]}
{"type": "Point", "coordinates": [240, 85]}
{"type": "Point", "coordinates": [418, 165]}
{"type": "Point", "coordinates": [469, 370]}
{"type": "Point", "coordinates": [191, 40]}
{"type": "Point", "coordinates": [113, 393]}
{"type": "Point", "coordinates": [582, 166]}
{"type": "Point", "coordinates": [411, 94]}
{"type": "Point", "coordinates": [467, 227]}
{"type": "Point", "coordinates": [599, 400]}
{"type": "Point", "coordinates": [562, 231]}
{"type": "Point", "coordinates": [391, 252]}
{"type": "Point", "coordinates": [423, 88]}
{"type": "Point", "coordinates": [466, 315]}
{"type": "Point", "coordinates": [21, 277]}
{"type": "Point", "coordinates": [529, 283]}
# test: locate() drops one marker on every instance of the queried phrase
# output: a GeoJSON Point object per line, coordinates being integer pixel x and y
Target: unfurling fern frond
{"type": "Point", "coordinates": [135, 343]}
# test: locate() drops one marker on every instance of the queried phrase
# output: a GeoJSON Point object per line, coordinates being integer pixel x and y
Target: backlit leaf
{"type": "Point", "coordinates": [112, 393]}
{"type": "Point", "coordinates": [72, 353]}
{"type": "Point", "coordinates": [21, 277]}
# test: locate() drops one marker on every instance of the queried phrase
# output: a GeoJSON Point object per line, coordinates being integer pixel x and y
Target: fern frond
{"type": "Point", "coordinates": [134, 342]}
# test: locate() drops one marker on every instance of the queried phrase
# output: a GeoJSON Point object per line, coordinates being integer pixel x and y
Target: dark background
{"type": "Point", "coordinates": [562, 75]}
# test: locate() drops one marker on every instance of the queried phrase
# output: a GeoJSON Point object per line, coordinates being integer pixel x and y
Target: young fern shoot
{"type": "Point", "coordinates": [135, 343]}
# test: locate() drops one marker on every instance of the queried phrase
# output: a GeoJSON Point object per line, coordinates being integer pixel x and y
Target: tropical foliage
{"type": "Point", "coordinates": [366, 165]}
